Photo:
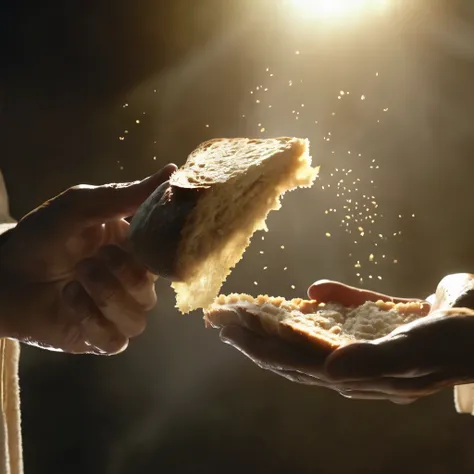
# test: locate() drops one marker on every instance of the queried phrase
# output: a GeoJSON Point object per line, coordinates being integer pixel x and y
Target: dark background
{"type": "Point", "coordinates": [178, 401]}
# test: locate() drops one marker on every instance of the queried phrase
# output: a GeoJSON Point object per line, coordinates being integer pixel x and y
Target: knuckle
{"type": "Point", "coordinates": [137, 327]}
{"type": "Point", "coordinates": [115, 345]}
{"type": "Point", "coordinates": [138, 279]}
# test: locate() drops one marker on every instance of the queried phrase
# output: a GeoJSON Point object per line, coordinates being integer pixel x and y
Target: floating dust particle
{"type": "Point", "coordinates": [263, 237]}
{"type": "Point", "coordinates": [290, 83]}
{"type": "Point", "coordinates": [125, 105]}
{"type": "Point", "coordinates": [255, 283]}
{"type": "Point", "coordinates": [207, 125]}
{"type": "Point", "coordinates": [265, 268]}
{"type": "Point", "coordinates": [297, 52]}
{"type": "Point", "coordinates": [377, 74]}
{"type": "Point", "coordinates": [385, 110]}
{"type": "Point", "coordinates": [370, 276]}
{"type": "Point", "coordinates": [341, 92]}
{"type": "Point", "coordinates": [121, 138]}
{"type": "Point", "coordinates": [371, 257]}
{"type": "Point", "coordinates": [358, 265]}
{"type": "Point", "coordinates": [285, 269]}
{"type": "Point", "coordinates": [362, 97]}
{"type": "Point", "coordinates": [395, 261]}
{"type": "Point", "coordinates": [154, 158]}
{"type": "Point", "coordinates": [267, 69]}
{"type": "Point", "coordinates": [137, 121]}
{"type": "Point", "coordinates": [282, 247]}
{"type": "Point", "coordinates": [293, 287]}
{"type": "Point", "coordinates": [328, 234]}
{"type": "Point", "coordinates": [257, 101]}
{"type": "Point", "coordinates": [262, 129]}
{"type": "Point", "coordinates": [379, 277]}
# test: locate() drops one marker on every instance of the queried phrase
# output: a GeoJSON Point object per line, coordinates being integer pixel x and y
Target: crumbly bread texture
{"type": "Point", "coordinates": [241, 180]}
{"type": "Point", "coordinates": [324, 326]}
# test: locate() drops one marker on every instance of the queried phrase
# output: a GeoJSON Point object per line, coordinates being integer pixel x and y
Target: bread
{"type": "Point", "coordinates": [318, 325]}
{"type": "Point", "coordinates": [195, 228]}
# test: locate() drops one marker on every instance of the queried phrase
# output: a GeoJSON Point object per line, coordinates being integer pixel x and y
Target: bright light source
{"type": "Point", "coordinates": [333, 9]}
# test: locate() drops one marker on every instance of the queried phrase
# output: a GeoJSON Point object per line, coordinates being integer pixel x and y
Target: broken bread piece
{"type": "Point", "coordinates": [195, 228]}
{"type": "Point", "coordinates": [323, 326]}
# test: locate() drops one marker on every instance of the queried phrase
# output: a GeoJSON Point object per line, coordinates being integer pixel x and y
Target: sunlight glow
{"type": "Point", "coordinates": [337, 9]}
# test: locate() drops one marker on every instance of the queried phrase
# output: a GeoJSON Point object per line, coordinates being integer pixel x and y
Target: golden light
{"type": "Point", "coordinates": [337, 9]}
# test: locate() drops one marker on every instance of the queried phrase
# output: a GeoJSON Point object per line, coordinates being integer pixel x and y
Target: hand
{"type": "Point", "coordinates": [417, 359]}
{"type": "Point", "coordinates": [425, 356]}
{"type": "Point", "coordinates": [68, 281]}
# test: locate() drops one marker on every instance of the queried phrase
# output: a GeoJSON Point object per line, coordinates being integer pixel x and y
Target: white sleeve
{"type": "Point", "coordinates": [464, 398]}
{"type": "Point", "coordinates": [11, 455]}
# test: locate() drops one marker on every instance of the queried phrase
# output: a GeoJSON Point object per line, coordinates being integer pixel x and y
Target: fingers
{"type": "Point", "coordinates": [272, 354]}
{"type": "Point", "coordinates": [108, 302]}
{"type": "Point", "coordinates": [133, 276]}
{"type": "Point", "coordinates": [362, 379]}
{"type": "Point", "coordinates": [84, 205]}
{"type": "Point", "coordinates": [367, 360]}
{"type": "Point", "coordinates": [298, 377]}
{"type": "Point", "coordinates": [111, 298]}
{"type": "Point", "coordinates": [86, 328]}
{"type": "Point", "coordinates": [439, 343]}
{"type": "Point", "coordinates": [456, 290]}
{"type": "Point", "coordinates": [327, 291]}
{"type": "Point", "coordinates": [361, 395]}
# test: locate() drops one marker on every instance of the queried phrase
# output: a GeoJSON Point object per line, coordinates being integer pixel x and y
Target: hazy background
{"type": "Point", "coordinates": [76, 76]}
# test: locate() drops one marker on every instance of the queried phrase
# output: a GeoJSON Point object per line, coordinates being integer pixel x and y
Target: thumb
{"type": "Point", "coordinates": [86, 205]}
{"type": "Point", "coordinates": [327, 291]}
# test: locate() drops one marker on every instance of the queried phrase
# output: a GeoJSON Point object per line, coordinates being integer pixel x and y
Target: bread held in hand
{"type": "Point", "coordinates": [195, 228]}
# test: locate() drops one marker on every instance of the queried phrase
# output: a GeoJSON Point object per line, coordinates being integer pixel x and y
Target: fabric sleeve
{"type": "Point", "coordinates": [11, 456]}
{"type": "Point", "coordinates": [464, 398]}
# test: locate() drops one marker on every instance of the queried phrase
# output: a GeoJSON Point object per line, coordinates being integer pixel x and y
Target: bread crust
{"type": "Point", "coordinates": [156, 228]}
